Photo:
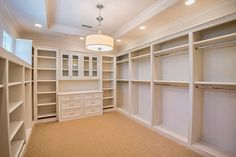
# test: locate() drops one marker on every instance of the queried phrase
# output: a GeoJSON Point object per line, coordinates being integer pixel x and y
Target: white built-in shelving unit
{"type": "Point", "coordinates": [108, 82]}
{"type": "Point", "coordinates": [15, 87]}
{"type": "Point", "coordinates": [184, 87]}
{"type": "Point", "coordinates": [45, 84]}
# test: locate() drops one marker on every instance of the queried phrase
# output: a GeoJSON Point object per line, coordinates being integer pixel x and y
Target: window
{"type": "Point", "coordinates": [7, 42]}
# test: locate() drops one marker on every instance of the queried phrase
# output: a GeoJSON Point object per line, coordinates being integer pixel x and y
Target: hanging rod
{"type": "Point", "coordinates": [215, 88]}
{"type": "Point", "coordinates": [170, 85]}
{"type": "Point", "coordinates": [217, 44]}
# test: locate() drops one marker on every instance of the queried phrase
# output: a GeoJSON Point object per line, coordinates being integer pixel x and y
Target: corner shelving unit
{"type": "Point", "coordinates": [214, 99]}
{"type": "Point", "coordinates": [171, 80]}
{"type": "Point", "coordinates": [45, 84]}
{"type": "Point", "coordinates": [108, 77]}
{"type": "Point", "coordinates": [141, 107]}
{"type": "Point", "coordinates": [122, 78]}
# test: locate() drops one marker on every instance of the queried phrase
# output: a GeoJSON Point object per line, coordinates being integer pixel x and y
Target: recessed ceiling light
{"type": "Point", "coordinates": [189, 2]}
{"type": "Point", "coordinates": [38, 25]}
{"type": "Point", "coordinates": [81, 38]}
{"type": "Point", "coordinates": [119, 40]}
{"type": "Point", "coordinates": [142, 27]}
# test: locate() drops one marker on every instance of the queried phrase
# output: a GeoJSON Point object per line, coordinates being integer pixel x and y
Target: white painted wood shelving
{"type": "Point", "coordinates": [184, 87]}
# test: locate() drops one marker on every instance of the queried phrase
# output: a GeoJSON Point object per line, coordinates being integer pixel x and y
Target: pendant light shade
{"type": "Point", "coordinates": [99, 42]}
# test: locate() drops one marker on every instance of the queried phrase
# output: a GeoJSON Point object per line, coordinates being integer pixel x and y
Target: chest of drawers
{"type": "Point", "coordinates": [75, 105]}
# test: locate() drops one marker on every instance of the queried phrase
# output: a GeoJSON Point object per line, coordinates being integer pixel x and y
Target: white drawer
{"type": "Point", "coordinates": [94, 95]}
{"type": "Point", "coordinates": [71, 98]}
{"type": "Point", "coordinates": [92, 109]}
{"type": "Point", "coordinates": [69, 113]}
{"type": "Point", "coordinates": [92, 101]}
{"type": "Point", "coordinates": [71, 105]}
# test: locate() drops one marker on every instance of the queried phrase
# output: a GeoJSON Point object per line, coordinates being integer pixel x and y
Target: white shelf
{"type": "Point", "coordinates": [141, 56]}
{"type": "Point", "coordinates": [212, 41]}
{"type": "Point", "coordinates": [171, 133]}
{"type": "Point", "coordinates": [109, 106]}
{"type": "Point", "coordinates": [122, 80]}
{"type": "Point", "coordinates": [46, 81]}
{"type": "Point", "coordinates": [141, 81]}
{"type": "Point", "coordinates": [107, 80]}
{"type": "Point", "coordinates": [107, 89]}
{"type": "Point", "coordinates": [47, 69]}
{"type": "Point", "coordinates": [14, 127]}
{"type": "Point", "coordinates": [27, 82]}
{"type": "Point", "coordinates": [46, 115]}
{"type": "Point", "coordinates": [172, 83]}
{"type": "Point", "coordinates": [14, 83]}
{"type": "Point", "coordinates": [47, 104]}
{"type": "Point", "coordinates": [16, 147]}
{"type": "Point", "coordinates": [211, 149]}
{"type": "Point", "coordinates": [108, 71]}
{"type": "Point", "coordinates": [108, 62]}
{"type": "Point", "coordinates": [46, 57]}
{"type": "Point", "coordinates": [122, 61]}
{"type": "Point", "coordinates": [106, 98]}
{"type": "Point", "coordinates": [171, 50]}
{"type": "Point", "coordinates": [14, 105]}
{"type": "Point", "coordinates": [1, 86]}
{"type": "Point", "coordinates": [215, 83]}
{"type": "Point", "coordinates": [48, 92]}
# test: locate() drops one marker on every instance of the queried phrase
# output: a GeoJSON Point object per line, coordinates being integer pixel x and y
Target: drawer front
{"type": "Point", "coordinates": [92, 102]}
{"type": "Point", "coordinates": [92, 109]}
{"type": "Point", "coordinates": [71, 98]}
{"type": "Point", "coordinates": [94, 95]}
{"type": "Point", "coordinates": [69, 113]}
{"type": "Point", "coordinates": [71, 105]}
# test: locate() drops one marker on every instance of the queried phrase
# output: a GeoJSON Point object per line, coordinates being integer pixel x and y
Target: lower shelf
{"type": "Point", "coordinates": [211, 149]}
{"type": "Point", "coordinates": [16, 147]}
{"type": "Point", "coordinates": [14, 127]}
{"type": "Point", "coordinates": [108, 106]}
{"type": "Point", "coordinates": [46, 115]}
{"type": "Point", "coordinates": [171, 133]}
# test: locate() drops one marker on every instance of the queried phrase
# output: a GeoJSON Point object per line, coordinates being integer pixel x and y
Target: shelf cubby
{"type": "Point", "coordinates": [46, 63]}
{"type": "Point", "coordinates": [46, 98]}
{"type": "Point", "coordinates": [46, 53]}
{"type": "Point", "coordinates": [108, 103]}
{"type": "Point", "coordinates": [27, 74]}
{"type": "Point", "coordinates": [46, 111]}
{"type": "Point", "coordinates": [15, 72]}
{"type": "Point", "coordinates": [46, 75]}
{"type": "Point", "coordinates": [15, 97]}
{"type": "Point", "coordinates": [46, 86]}
{"type": "Point", "coordinates": [171, 106]}
{"type": "Point", "coordinates": [141, 53]}
{"type": "Point", "coordinates": [122, 58]}
{"type": "Point", "coordinates": [141, 103]}
{"type": "Point", "coordinates": [122, 96]}
{"type": "Point", "coordinates": [123, 71]}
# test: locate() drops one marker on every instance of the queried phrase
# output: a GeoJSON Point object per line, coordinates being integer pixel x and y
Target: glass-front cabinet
{"type": "Point", "coordinates": [78, 66]}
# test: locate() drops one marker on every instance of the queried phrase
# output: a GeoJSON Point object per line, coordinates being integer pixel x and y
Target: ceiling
{"type": "Point", "coordinates": [68, 16]}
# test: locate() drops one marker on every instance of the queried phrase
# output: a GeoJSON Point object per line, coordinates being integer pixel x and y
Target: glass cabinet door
{"type": "Point", "coordinates": [75, 65]}
{"type": "Point", "coordinates": [65, 65]}
{"type": "Point", "coordinates": [94, 66]}
{"type": "Point", "coordinates": [86, 66]}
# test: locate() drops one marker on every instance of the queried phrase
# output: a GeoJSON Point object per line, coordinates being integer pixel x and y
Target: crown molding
{"type": "Point", "coordinates": [15, 24]}
{"type": "Point", "coordinates": [156, 8]}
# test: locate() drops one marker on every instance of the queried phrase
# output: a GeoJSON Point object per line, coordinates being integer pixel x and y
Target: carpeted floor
{"type": "Point", "coordinates": [110, 135]}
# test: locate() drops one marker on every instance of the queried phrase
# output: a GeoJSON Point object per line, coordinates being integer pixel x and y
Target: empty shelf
{"type": "Point", "coordinates": [123, 61]}
{"type": "Point", "coordinates": [216, 85]}
{"type": "Point", "coordinates": [14, 127]}
{"type": "Point", "coordinates": [47, 104]}
{"type": "Point", "coordinates": [172, 83]}
{"type": "Point", "coordinates": [47, 69]}
{"type": "Point", "coordinates": [141, 81]}
{"type": "Point", "coordinates": [46, 57]}
{"type": "Point", "coordinates": [141, 56]}
{"type": "Point", "coordinates": [108, 62]}
{"type": "Point", "coordinates": [109, 106]}
{"type": "Point", "coordinates": [14, 83]}
{"type": "Point", "coordinates": [171, 50]}
{"type": "Point", "coordinates": [122, 80]}
{"type": "Point", "coordinates": [216, 40]}
{"type": "Point", "coordinates": [14, 105]}
{"type": "Point", "coordinates": [16, 147]}
{"type": "Point", "coordinates": [46, 81]}
{"type": "Point", "coordinates": [46, 115]}
{"type": "Point", "coordinates": [105, 98]}
{"type": "Point", "coordinates": [1, 86]}
{"type": "Point", "coordinates": [48, 92]}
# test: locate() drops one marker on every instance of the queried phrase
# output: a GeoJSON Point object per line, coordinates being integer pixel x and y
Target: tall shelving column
{"type": "Point", "coordinates": [45, 84]}
{"type": "Point", "coordinates": [171, 87]}
{"type": "Point", "coordinates": [108, 81]}
{"type": "Point", "coordinates": [140, 84]}
{"type": "Point", "coordinates": [122, 86]}
{"type": "Point", "coordinates": [214, 90]}
{"type": "Point", "coordinates": [16, 108]}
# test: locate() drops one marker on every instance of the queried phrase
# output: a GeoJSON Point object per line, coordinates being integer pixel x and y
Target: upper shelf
{"type": "Point", "coordinates": [171, 50]}
{"type": "Point", "coordinates": [216, 85]}
{"type": "Point", "coordinates": [123, 61]}
{"type": "Point", "coordinates": [141, 56]}
{"type": "Point", "coordinates": [171, 83]}
{"type": "Point", "coordinates": [217, 40]}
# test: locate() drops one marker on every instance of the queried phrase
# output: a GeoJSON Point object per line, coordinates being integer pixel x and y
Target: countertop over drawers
{"type": "Point", "coordinates": [80, 104]}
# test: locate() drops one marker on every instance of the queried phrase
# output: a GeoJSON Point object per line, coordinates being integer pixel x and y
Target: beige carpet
{"type": "Point", "coordinates": [110, 135]}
